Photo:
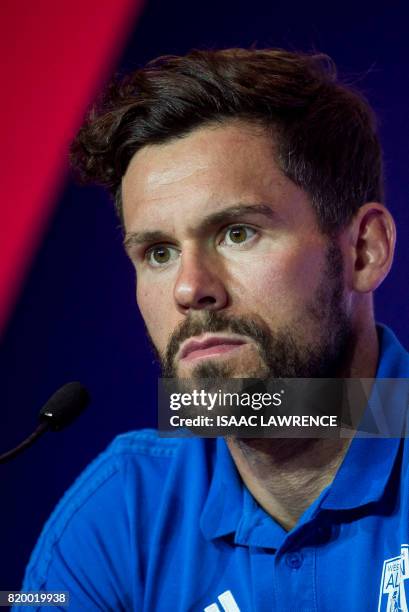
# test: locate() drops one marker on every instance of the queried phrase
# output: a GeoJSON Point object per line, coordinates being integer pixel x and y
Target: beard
{"type": "Point", "coordinates": [282, 353]}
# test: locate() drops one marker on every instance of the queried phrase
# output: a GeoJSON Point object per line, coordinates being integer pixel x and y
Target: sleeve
{"type": "Point", "coordinates": [88, 547]}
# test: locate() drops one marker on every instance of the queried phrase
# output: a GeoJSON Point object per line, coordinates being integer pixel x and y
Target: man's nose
{"type": "Point", "coordinates": [199, 285]}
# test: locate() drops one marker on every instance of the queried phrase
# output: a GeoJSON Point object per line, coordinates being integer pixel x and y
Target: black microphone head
{"type": "Point", "coordinates": [65, 406]}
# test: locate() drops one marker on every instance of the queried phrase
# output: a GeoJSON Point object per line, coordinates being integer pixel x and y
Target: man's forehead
{"type": "Point", "coordinates": [152, 171]}
{"type": "Point", "coordinates": [227, 165]}
{"type": "Point", "coordinates": [204, 148]}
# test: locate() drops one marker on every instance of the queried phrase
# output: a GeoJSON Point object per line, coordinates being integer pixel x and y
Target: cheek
{"type": "Point", "coordinates": [278, 284]}
{"type": "Point", "coordinates": [153, 303]}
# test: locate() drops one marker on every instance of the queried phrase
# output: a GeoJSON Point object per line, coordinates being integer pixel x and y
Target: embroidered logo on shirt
{"type": "Point", "coordinates": [227, 602]}
{"type": "Point", "coordinates": [392, 594]}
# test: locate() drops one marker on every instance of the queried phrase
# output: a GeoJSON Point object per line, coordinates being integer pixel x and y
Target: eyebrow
{"type": "Point", "coordinates": [222, 216]}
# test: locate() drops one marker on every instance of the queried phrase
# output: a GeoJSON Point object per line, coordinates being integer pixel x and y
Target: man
{"type": "Point", "coordinates": [249, 185]}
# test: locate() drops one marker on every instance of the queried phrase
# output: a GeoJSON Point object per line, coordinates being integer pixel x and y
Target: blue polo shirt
{"type": "Point", "coordinates": [159, 524]}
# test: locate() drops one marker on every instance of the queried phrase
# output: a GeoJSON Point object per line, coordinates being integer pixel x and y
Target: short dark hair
{"type": "Point", "coordinates": [324, 131]}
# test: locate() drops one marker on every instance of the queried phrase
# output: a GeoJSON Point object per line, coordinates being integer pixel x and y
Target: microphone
{"type": "Point", "coordinates": [60, 411]}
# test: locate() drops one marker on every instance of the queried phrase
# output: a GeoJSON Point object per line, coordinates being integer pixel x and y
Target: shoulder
{"type": "Point", "coordinates": [145, 442]}
{"type": "Point", "coordinates": [137, 448]}
{"type": "Point", "coordinates": [104, 500]}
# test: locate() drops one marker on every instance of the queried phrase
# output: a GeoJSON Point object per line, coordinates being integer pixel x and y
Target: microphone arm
{"type": "Point", "coordinates": [60, 411]}
{"type": "Point", "coordinates": [9, 455]}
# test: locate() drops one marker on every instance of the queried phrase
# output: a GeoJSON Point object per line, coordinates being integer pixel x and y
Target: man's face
{"type": "Point", "coordinates": [234, 277]}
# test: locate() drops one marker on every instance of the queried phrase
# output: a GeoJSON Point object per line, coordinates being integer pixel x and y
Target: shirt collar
{"type": "Point", "coordinates": [224, 504]}
{"type": "Point", "coordinates": [231, 509]}
{"type": "Point", "coordinates": [362, 477]}
{"type": "Point", "coordinates": [368, 464]}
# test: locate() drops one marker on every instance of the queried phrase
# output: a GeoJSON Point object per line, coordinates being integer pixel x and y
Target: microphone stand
{"type": "Point", "coordinates": [29, 441]}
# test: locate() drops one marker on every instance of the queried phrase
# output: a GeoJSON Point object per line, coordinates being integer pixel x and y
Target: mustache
{"type": "Point", "coordinates": [211, 321]}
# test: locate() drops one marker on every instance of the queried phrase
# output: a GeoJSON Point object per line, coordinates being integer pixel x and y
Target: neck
{"type": "Point", "coordinates": [286, 475]}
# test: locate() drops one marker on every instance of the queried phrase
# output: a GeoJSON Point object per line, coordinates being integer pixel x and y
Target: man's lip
{"type": "Point", "coordinates": [211, 341]}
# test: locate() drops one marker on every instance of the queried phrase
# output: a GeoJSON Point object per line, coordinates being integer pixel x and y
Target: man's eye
{"type": "Point", "coordinates": [161, 255]}
{"type": "Point", "coordinates": [238, 234]}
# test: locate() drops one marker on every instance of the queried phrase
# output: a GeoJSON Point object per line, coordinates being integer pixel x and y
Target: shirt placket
{"type": "Point", "coordinates": [283, 582]}
{"type": "Point", "coordinates": [295, 580]}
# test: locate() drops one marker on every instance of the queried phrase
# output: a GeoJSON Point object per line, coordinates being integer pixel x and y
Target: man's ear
{"type": "Point", "coordinates": [372, 241]}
